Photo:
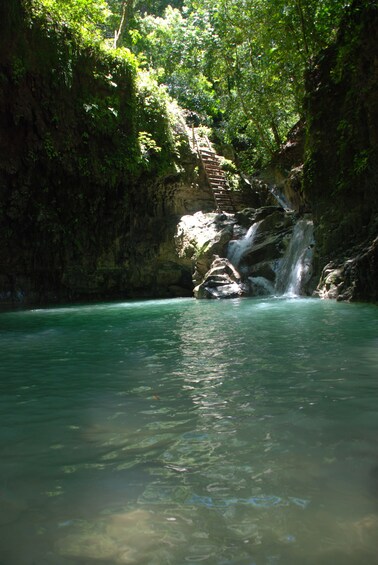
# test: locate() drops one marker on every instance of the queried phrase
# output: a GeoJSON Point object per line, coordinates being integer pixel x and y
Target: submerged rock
{"type": "Point", "coordinates": [123, 539]}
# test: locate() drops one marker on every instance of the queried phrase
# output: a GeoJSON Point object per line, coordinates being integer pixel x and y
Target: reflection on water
{"type": "Point", "coordinates": [233, 432]}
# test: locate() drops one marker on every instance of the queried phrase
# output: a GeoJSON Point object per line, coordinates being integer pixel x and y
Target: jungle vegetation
{"type": "Point", "coordinates": [236, 66]}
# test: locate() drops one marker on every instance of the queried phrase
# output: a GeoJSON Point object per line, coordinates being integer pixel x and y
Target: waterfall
{"type": "Point", "coordinates": [295, 268]}
{"type": "Point", "coordinates": [238, 248]}
{"type": "Point", "coordinates": [280, 198]}
{"type": "Point", "coordinates": [260, 286]}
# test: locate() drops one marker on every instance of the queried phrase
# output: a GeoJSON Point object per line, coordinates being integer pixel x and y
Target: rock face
{"type": "Point", "coordinates": [354, 278]}
{"type": "Point", "coordinates": [341, 167]}
{"type": "Point", "coordinates": [94, 180]}
{"type": "Point", "coordinates": [284, 174]}
{"type": "Point", "coordinates": [94, 172]}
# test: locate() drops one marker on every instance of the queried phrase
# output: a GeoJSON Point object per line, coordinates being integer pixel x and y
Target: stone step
{"type": "Point", "coordinates": [217, 180]}
{"type": "Point", "coordinates": [210, 157]}
{"type": "Point", "coordinates": [203, 149]}
{"type": "Point", "coordinates": [213, 168]}
{"type": "Point", "coordinates": [228, 200]}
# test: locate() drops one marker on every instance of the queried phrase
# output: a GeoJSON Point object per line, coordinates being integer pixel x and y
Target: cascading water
{"type": "Point", "coordinates": [266, 262]}
{"type": "Point", "coordinates": [281, 200]}
{"type": "Point", "coordinates": [295, 268]}
{"type": "Point", "coordinates": [261, 286]}
{"type": "Point", "coordinates": [238, 248]}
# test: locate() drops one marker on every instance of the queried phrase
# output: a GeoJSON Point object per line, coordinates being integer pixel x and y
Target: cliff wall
{"type": "Point", "coordinates": [341, 157]}
{"type": "Point", "coordinates": [93, 169]}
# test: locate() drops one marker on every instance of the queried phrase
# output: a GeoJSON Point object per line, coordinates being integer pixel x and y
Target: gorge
{"type": "Point", "coordinates": [139, 426]}
{"type": "Point", "coordinates": [94, 181]}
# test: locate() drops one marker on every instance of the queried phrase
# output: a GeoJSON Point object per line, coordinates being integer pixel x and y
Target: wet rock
{"type": "Point", "coordinates": [353, 278]}
{"type": "Point", "coordinates": [276, 221]}
{"type": "Point", "coordinates": [265, 269]}
{"type": "Point", "coordinates": [272, 239]}
{"type": "Point", "coordinates": [252, 258]}
{"type": "Point", "coordinates": [249, 216]}
{"type": "Point", "coordinates": [221, 281]}
{"type": "Point", "coordinates": [260, 286]}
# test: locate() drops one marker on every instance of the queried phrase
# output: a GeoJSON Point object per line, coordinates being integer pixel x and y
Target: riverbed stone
{"type": "Point", "coordinates": [221, 281]}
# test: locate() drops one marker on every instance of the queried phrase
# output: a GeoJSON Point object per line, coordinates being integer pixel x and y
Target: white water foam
{"type": "Point", "coordinates": [238, 248]}
{"type": "Point", "coordinates": [295, 268]}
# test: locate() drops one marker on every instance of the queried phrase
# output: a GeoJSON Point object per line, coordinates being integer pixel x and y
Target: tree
{"type": "Point", "coordinates": [88, 17]}
{"type": "Point", "coordinates": [127, 14]}
{"type": "Point", "coordinates": [259, 51]}
{"type": "Point", "coordinates": [239, 64]}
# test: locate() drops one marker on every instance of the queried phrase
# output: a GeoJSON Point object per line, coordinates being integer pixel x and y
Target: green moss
{"type": "Point", "coordinates": [340, 173]}
{"type": "Point", "coordinates": [71, 160]}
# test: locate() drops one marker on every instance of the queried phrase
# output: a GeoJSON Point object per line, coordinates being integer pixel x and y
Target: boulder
{"type": "Point", "coordinates": [221, 281]}
{"type": "Point", "coordinates": [353, 278]}
{"type": "Point", "coordinates": [201, 236]}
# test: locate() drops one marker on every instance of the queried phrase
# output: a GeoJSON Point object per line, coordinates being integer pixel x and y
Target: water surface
{"type": "Point", "coordinates": [180, 431]}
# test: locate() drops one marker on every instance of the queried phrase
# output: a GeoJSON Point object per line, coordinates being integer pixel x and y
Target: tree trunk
{"type": "Point", "coordinates": [127, 13]}
{"type": "Point", "coordinates": [303, 27]}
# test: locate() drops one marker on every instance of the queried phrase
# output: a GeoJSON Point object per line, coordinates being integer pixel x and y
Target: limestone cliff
{"type": "Point", "coordinates": [93, 170]}
{"type": "Point", "coordinates": [341, 165]}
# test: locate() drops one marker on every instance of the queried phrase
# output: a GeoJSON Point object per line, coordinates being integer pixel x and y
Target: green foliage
{"type": "Point", "coordinates": [237, 64]}
{"type": "Point", "coordinates": [231, 173]}
{"type": "Point", "coordinates": [86, 20]}
{"type": "Point", "coordinates": [174, 47]}
{"type": "Point", "coordinates": [85, 17]}
{"type": "Point", "coordinates": [18, 70]}
{"type": "Point", "coordinates": [157, 143]}
{"type": "Point", "coordinates": [147, 146]}
{"type": "Point", "coordinates": [361, 162]}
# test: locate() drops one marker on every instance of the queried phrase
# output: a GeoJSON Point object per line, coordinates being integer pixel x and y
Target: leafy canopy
{"type": "Point", "coordinates": [237, 64]}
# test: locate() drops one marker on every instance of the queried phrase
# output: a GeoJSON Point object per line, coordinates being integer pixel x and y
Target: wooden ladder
{"type": "Point", "coordinates": [214, 174]}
